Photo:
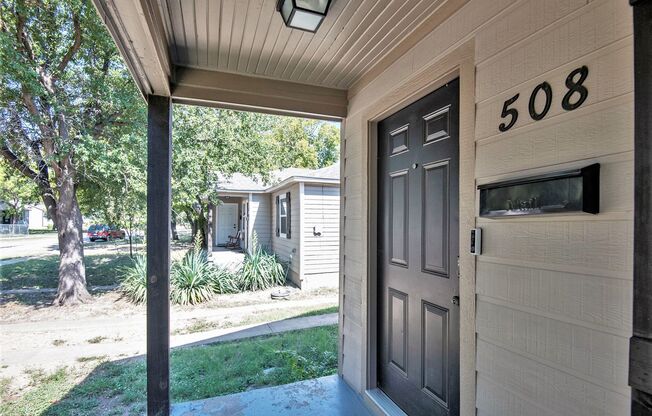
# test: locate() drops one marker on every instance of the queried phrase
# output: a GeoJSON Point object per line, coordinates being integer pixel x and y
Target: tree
{"type": "Point", "coordinates": [16, 191]}
{"type": "Point", "coordinates": [63, 87]}
{"type": "Point", "coordinates": [208, 144]}
{"type": "Point", "coordinates": [113, 188]}
{"type": "Point", "coordinates": [305, 143]}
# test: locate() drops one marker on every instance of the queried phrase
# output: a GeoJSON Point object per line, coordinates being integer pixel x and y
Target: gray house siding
{"type": "Point", "coordinates": [321, 215]}
{"type": "Point", "coordinates": [260, 209]}
{"type": "Point", "coordinates": [288, 248]}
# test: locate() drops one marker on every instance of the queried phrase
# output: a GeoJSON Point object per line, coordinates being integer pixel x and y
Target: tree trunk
{"type": "Point", "coordinates": [209, 230]}
{"type": "Point", "coordinates": [72, 272]}
{"type": "Point", "coordinates": [173, 226]}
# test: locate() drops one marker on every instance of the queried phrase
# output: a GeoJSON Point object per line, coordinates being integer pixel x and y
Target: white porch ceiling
{"type": "Point", "coordinates": [248, 37]}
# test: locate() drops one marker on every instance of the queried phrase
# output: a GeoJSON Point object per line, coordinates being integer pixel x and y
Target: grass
{"type": "Point", "coordinates": [196, 373]}
{"type": "Point", "coordinates": [101, 270]}
{"type": "Point", "coordinates": [255, 317]}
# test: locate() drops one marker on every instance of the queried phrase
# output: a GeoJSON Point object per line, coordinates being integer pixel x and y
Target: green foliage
{"type": "Point", "coordinates": [315, 364]}
{"type": "Point", "coordinates": [305, 143]}
{"type": "Point", "coordinates": [191, 279]}
{"type": "Point", "coordinates": [260, 269]}
{"type": "Point", "coordinates": [194, 279]}
{"type": "Point", "coordinates": [134, 283]}
{"type": "Point", "coordinates": [16, 190]}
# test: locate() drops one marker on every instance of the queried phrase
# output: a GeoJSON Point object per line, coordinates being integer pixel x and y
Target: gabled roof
{"type": "Point", "coordinates": [238, 183]}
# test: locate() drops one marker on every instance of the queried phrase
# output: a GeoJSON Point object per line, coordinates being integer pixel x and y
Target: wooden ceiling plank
{"type": "Point", "coordinates": [176, 19]}
{"type": "Point", "coordinates": [378, 45]}
{"type": "Point", "coordinates": [376, 68]}
{"type": "Point", "coordinates": [201, 22]}
{"type": "Point", "coordinates": [190, 30]}
{"type": "Point", "coordinates": [287, 52]}
{"type": "Point", "coordinates": [262, 31]}
{"type": "Point", "coordinates": [356, 44]}
{"type": "Point", "coordinates": [226, 28]}
{"type": "Point", "coordinates": [367, 11]}
{"type": "Point", "coordinates": [268, 46]}
{"type": "Point", "coordinates": [327, 27]}
{"type": "Point", "coordinates": [240, 19]}
{"type": "Point", "coordinates": [253, 19]}
{"type": "Point", "coordinates": [213, 36]}
{"type": "Point", "coordinates": [296, 55]}
{"type": "Point", "coordinates": [343, 21]}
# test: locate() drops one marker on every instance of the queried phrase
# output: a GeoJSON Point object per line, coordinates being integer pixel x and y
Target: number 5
{"type": "Point", "coordinates": [509, 112]}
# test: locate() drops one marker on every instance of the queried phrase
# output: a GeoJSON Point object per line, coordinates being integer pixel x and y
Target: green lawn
{"type": "Point", "coordinates": [115, 388]}
{"type": "Point", "coordinates": [101, 270]}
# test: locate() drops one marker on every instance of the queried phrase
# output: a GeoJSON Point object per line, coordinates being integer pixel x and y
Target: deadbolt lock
{"type": "Point", "coordinates": [455, 300]}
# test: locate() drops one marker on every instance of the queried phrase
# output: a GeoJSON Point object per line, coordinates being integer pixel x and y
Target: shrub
{"type": "Point", "coordinates": [224, 281]}
{"type": "Point", "coordinates": [192, 279]}
{"type": "Point", "coordinates": [260, 269]}
{"type": "Point", "coordinates": [134, 283]}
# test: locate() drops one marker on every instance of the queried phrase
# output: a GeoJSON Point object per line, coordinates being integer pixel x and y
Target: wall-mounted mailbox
{"type": "Point", "coordinates": [559, 192]}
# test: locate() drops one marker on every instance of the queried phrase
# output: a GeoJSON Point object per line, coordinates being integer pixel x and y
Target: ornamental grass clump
{"type": "Point", "coordinates": [260, 270]}
{"type": "Point", "coordinates": [194, 279]}
{"type": "Point", "coordinates": [134, 283]}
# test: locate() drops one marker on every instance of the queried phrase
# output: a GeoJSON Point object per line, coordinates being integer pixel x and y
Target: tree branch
{"type": "Point", "coordinates": [18, 164]}
{"type": "Point", "coordinates": [76, 44]}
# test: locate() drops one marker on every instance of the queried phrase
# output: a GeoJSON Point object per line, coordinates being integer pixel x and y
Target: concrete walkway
{"type": "Point", "coordinates": [324, 396]}
{"type": "Point", "coordinates": [269, 328]}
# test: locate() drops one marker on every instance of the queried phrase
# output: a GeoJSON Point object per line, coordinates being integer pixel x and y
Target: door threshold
{"type": "Point", "coordinates": [382, 403]}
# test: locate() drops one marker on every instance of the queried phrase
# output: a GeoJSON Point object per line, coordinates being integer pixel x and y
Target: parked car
{"type": "Point", "coordinates": [104, 232]}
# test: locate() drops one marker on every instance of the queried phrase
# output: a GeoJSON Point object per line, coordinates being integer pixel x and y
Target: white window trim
{"type": "Point", "coordinates": [282, 198]}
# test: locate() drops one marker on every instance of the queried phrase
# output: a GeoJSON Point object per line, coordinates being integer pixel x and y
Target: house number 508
{"type": "Point", "coordinates": [576, 93]}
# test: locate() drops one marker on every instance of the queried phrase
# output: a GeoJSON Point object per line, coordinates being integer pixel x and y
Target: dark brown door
{"type": "Point", "coordinates": [418, 283]}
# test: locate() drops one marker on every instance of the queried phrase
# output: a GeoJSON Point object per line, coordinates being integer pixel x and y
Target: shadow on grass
{"type": "Point", "coordinates": [101, 270]}
{"type": "Point", "coordinates": [119, 387]}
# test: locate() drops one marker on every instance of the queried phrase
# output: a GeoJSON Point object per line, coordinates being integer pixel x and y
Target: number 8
{"type": "Point", "coordinates": [574, 87]}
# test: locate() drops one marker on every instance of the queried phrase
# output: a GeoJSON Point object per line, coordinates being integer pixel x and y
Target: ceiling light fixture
{"type": "Point", "coordinates": [303, 14]}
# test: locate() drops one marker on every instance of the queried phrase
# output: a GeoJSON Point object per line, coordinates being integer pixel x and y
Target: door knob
{"type": "Point", "coordinates": [455, 300]}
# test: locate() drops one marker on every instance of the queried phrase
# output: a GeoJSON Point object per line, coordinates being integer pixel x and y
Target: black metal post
{"type": "Point", "coordinates": [640, 355]}
{"type": "Point", "coordinates": [159, 163]}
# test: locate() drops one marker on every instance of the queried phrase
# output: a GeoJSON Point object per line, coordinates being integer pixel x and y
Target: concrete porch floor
{"type": "Point", "coordinates": [230, 258]}
{"type": "Point", "coordinates": [325, 396]}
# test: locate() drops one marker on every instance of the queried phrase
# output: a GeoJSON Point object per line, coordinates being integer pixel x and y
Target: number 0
{"type": "Point", "coordinates": [548, 91]}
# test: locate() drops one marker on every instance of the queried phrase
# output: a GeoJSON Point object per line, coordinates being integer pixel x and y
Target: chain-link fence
{"type": "Point", "coordinates": [14, 229]}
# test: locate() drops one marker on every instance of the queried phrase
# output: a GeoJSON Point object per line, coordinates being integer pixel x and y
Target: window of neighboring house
{"type": "Point", "coordinates": [283, 216]}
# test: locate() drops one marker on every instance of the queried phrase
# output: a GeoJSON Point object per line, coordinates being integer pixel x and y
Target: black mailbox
{"type": "Point", "coordinates": [560, 192]}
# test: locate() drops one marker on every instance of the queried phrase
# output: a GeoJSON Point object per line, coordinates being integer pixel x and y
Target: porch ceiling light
{"type": "Point", "coordinates": [303, 14]}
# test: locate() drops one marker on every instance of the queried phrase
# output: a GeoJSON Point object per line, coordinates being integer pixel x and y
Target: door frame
{"type": "Point", "coordinates": [458, 63]}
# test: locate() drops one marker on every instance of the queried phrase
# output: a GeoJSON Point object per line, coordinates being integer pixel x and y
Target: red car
{"type": "Point", "coordinates": [104, 232]}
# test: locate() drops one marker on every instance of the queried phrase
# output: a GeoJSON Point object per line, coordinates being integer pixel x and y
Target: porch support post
{"type": "Point", "coordinates": [640, 358]}
{"type": "Point", "coordinates": [159, 162]}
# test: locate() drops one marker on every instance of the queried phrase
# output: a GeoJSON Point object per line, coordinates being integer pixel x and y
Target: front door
{"type": "Point", "coordinates": [418, 283]}
{"type": "Point", "coordinates": [227, 222]}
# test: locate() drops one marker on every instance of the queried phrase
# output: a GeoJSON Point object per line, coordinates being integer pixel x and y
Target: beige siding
{"type": "Point", "coordinates": [554, 292]}
{"type": "Point", "coordinates": [288, 248]}
{"type": "Point", "coordinates": [260, 217]}
{"type": "Point", "coordinates": [321, 209]}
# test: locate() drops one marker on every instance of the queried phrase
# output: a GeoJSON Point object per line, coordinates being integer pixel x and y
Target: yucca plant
{"type": "Point", "coordinates": [134, 283]}
{"type": "Point", "coordinates": [192, 279]}
{"type": "Point", "coordinates": [224, 281]}
{"type": "Point", "coordinates": [260, 269]}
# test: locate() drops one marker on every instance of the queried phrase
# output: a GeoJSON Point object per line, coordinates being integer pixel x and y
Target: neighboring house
{"type": "Point", "coordinates": [35, 216]}
{"type": "Point", "coordinates": [296, 216]}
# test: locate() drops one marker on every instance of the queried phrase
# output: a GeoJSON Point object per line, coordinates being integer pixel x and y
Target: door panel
{"type": "Point", "coordinates": [418, 324]}
{"type": "Point", "coordinates": [227, 222]}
